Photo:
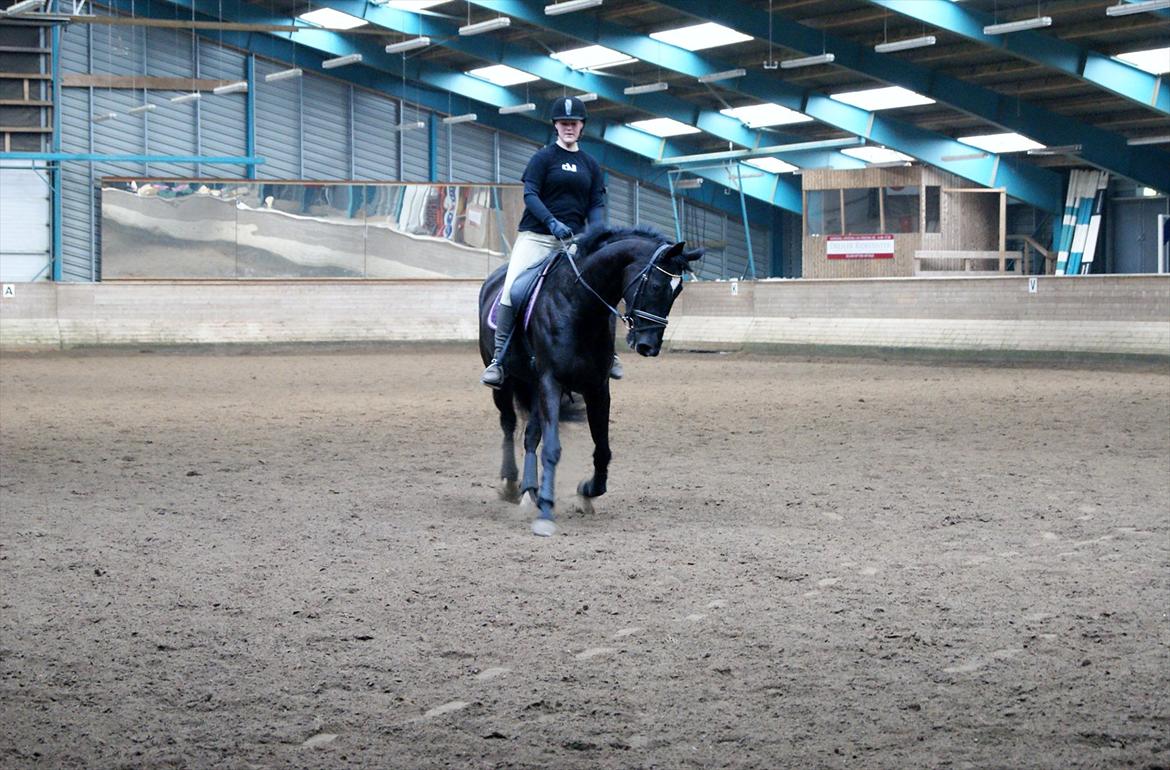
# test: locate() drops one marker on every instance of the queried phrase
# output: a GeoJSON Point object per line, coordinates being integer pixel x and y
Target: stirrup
{"type": "Point", "coordinates": [616, 371]}
{"type": "Point", "coordinates": [493, 375]}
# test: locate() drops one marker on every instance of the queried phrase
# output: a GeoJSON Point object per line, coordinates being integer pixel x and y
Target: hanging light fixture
{"type": "Point", "coordinates": [341, 61]}
{"type": "Point", "coordinates": [231, 88]}
{"type": "Point", "coordinates": [808, 61]}
{"type": "Point", "coordinates": [295, 72]}
{"type": "Point", "coordinates": [184, 98]}
{"type": "Point", "coordinates": [104, 116]}
{"type": "Point", "coordinates": [569, 6]}
{"type": "Point", "coordinates": [589, 96]}
{"type": "Point", "coordinates": [21, 7]}
{"type": "Point", "coordinates": [141, 109]}
{"type": "Point", "coordinates": [1017, 26]}
{"type": "Point", "coordinates": [468, 117]}
{"type": "Point", "coordinates": [714, 77]}
{"type": "Point", "coordinates": [485, 26]}
{"type": "Point", "coordinates": [905, 45]}
{"type": "Point", "coordinates": [645, 88]}
{"type": "Point", "coordinates": [1125, 9]}
{"type": "Point", "coordinates": [408, 45]}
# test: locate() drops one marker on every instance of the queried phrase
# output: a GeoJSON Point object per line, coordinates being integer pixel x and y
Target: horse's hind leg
{"type": "Point", "coordinates": [508, 489]}
{"type": "Point", "coordinates": [550, 453]}
{"type": "Point", "coordinates": [597, 408]}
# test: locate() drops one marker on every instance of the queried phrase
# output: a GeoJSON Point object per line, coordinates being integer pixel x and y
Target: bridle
{"type": "Point", "coordinates": [651, 320]}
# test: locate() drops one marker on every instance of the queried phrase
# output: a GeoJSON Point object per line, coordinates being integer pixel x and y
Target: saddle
{"type": "Point", "coordinates": [525, 289]}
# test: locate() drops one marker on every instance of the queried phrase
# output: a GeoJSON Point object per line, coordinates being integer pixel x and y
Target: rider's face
{"type": "Point", "coordinates": [569, 131]}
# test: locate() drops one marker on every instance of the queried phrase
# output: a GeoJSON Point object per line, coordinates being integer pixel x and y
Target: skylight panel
{"type": "Point", "coordinates": [997, 143]}
{"type": "Point", "coordinates": [592, 57]}
{"type": "Point", "coordinates": [663, 127]}
{"type": "Point", "coordinates": [699, 36]}
{"type": "Point", "coordinates": [502, 75]}
{"type": "Point", "coordinates": [774, 165]}
{"type": "Point", "coordinates": [760, 115]}
{"type": "Point", "coordinates": [1155, 61]}
{"type": "Point", "coordinates": [414, 6]}
{"type": "Point", "coordinates": [876, 154]}
{"type": "Point", "coordinates": [332, 19]}
{"type": "Point", "coordinates": [886, 98]}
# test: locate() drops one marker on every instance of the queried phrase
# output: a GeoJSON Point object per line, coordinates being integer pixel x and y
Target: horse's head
{"type": "Point", "coordinates": [653, 281]}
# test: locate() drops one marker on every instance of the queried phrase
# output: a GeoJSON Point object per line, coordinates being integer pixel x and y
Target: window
{"type": "Point", "coordinates": [863, 210]}
{"type": "Point", "coordinates": [824, 212]}
{"type": "Point", "coordinates": [901, 209]}
{"type": "Point", "coordinates": [932, 210]}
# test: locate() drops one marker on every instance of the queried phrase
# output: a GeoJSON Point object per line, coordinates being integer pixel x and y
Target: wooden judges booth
{"type": "Point", "coordinates": [902, 221]}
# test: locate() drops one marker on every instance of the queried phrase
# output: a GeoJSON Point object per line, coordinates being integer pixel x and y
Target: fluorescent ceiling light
{"type": "Point", "coordinates": [999, 143]}
{"type": "Point", "coordinates": [589, 96]}
{"type": "Point", "coordinates": [908, 43]}
{"type": "Point", "coordinates": [1017, 26]}
{"type": "Point", "coordinates": [295, 72]}
{"type": "Point", "coordinates": [1125, 9]}
{"type": "Point", "coordinates": [808, 61]}
{"type": "Point", "coordinates": [556, 9]}
{"type": "Point", "coordinates": [886, 98]}
{"type": "Point", "coordinates": [592, 57]}
{"type": "Point", "coordinates": [467, 117]}
{"type": "Point", "coordinates": [104, 116]}
{"type": "Point", "coordinates": [410, 126]}
{"type": "Point", "coordinates": [715, 77]}
{"type": "Point", "coordinates": [231, 88]}
{"type": "Point", "coordinates": [1155, 61]}
{"type": "Point", "coordinates": [515, 108]}
{"type": "Point", "coordinates": [21, 7]}
{"type": "Point", "coordinates": [1140, 140]}
{"type": "Point", "coordinates": [141, 109]}
{"type": "Point", "coordinates": [876, 155]}
{"type": "Point", "coordinates": [485, 26]}
{"type": "Point", "coordinates": [772, 165]}
{"type": "Point", "coordinates": [645, 88]}
{"type": "Point", "coordinates": [184, 98]}
{"type": "Point", "coordinates": [332, 19]}
{"type": "Point", "coordinates": [699, 36]}
{"type": "Point", "coordinates": [692, 183]}
{"type": "Point", "coordinates": [341, 61]}
{"type": "Point", "coordinates": [502, 75]}
{"type": "Point", "coordinates": [663, 127]}
{"type": "Point", "coordinates": [966, 156]}
{"type": "Point", "coordinates": [760, 115]}
{"type": "Point", "coordinates": [412, 44]}
{"type": "Point", "coordinates": [1063, 149]}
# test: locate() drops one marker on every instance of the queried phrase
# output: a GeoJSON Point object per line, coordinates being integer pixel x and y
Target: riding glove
{"type": "Point", "coordinates": [558, 229]}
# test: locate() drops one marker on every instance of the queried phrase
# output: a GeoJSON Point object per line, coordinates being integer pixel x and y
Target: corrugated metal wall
{"type": "Point", "coordinates": [313, 127]}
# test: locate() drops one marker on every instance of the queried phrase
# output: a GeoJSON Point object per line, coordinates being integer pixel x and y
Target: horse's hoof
{"type": "Point", "coordinates": [543, 527]}
{"type": "Point", "coordinates": [509, 490]}
{"type": "Point", "coordinates": [585, 505]}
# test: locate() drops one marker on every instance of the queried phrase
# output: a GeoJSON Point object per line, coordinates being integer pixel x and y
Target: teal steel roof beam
{"type": "Point", "coordinates": [633, 162]}
{"type": "Point", "coordinates": [1102, 71]}
{"type": "Point", "coordinates": [1106, 149]}
{"type": "Point", "coordinates": [545, 67]}
{"type": "Point", "coordinates": [1037, 186]}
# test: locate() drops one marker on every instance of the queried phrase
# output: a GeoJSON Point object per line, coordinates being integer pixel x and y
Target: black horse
{"type": "Point", "coordinates": [567, 347]}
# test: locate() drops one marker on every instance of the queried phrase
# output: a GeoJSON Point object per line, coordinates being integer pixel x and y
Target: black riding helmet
{"type": "Point", "coordinates": [567, 108]}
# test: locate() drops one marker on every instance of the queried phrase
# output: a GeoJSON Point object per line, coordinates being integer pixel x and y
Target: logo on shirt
{"type": "Point", "coordinates": [567, 166]}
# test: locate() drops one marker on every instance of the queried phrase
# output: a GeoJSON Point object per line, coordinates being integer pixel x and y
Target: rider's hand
{"type": "Point", "coordinates": [559, 230]}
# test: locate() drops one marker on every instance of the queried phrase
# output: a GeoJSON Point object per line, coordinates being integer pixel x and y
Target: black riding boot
{"type": "Point", "coordinates": [493, 375]}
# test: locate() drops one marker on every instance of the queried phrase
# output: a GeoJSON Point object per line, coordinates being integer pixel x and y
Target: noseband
{"type": "Point", "coordinates": [651, 320]}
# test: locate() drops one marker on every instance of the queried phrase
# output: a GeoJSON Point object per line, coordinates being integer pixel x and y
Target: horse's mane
{"type": "Point", "coordinates": [596, 238]}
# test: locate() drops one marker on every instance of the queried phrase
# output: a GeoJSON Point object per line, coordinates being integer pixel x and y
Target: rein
{"type": "Point", "coordinates": [640, 279]}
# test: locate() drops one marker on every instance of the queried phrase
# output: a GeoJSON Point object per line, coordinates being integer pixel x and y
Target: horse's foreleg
{"type": "Point", "coordinates": [597, 408]}
{"type": "Point", "coordinates": [508, 472]}
{"type": "Point", "coordinates": [550, 453]}
{"type": "Point", "coordinates": [531, 442]}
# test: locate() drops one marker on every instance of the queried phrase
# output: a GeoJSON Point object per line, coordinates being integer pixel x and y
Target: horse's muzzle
{"type": "Point", "coordinates": [647, 349]}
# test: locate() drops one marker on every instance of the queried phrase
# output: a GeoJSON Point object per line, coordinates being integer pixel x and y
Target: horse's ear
{"type": "Point", "coordinates": [694, 254]}
{"type": "Point", "coordinates": [675, 250]}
